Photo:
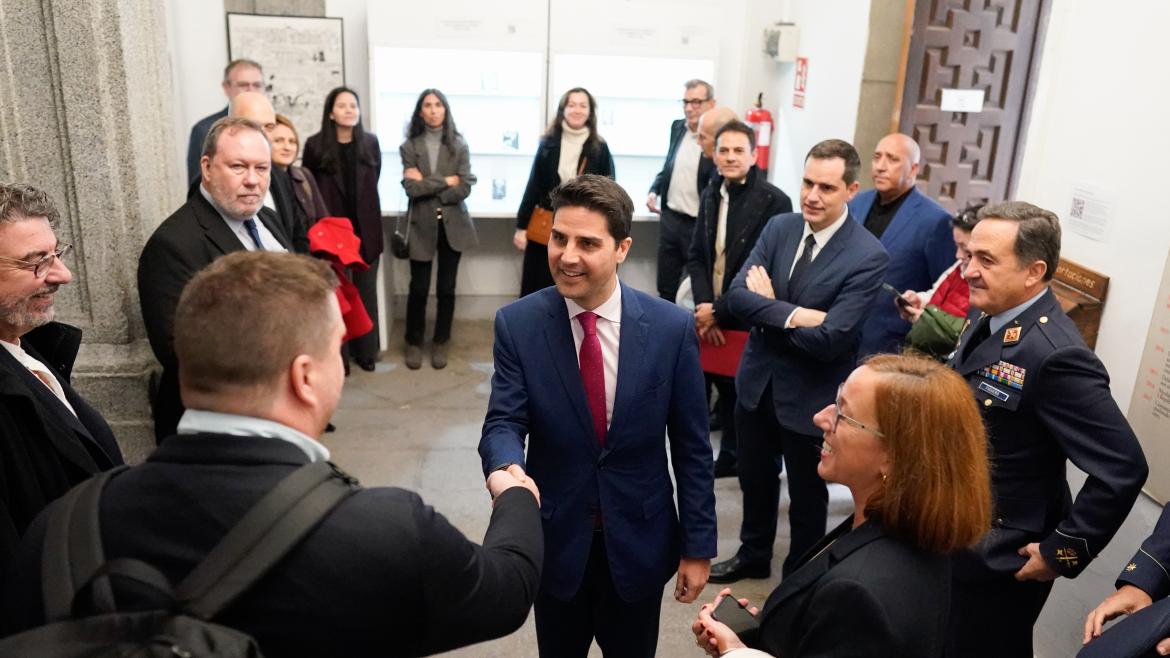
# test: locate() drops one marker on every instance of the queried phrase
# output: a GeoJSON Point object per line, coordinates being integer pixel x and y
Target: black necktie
{"type": "Point", "coordinates": [250, 225]}
{"type": "Point", "coordinates": [981, 333]}
{"type": "Point", "coordinates": [806, 257]}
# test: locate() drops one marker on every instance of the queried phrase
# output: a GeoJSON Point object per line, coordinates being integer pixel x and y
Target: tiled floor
{"type": "Point", "coordinates": [419, 429]}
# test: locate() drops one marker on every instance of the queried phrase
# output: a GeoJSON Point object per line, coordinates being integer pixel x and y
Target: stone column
{"type": "Point", "coordinates": [85, 113]}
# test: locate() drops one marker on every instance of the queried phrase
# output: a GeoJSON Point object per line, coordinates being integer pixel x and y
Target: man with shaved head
{"type": "Point", "coordinates": [913, 228]}
{"type": "Point", "coordinates": [676, 189]}
{"type": "Point", "coordinates": [709, 125]}
{"type": "Point", "coordinates": [280, 199]}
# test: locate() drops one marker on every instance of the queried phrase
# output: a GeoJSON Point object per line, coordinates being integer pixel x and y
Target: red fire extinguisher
{"type": "Point", "coordinates": [761, 121]}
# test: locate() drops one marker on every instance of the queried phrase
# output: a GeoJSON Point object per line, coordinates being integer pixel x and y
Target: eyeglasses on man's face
{"type": "Point", "coordinates": [40, 267]}
{"type": "Point", "coordinates": [694, 102]}
{"type": "Point", "coordinates": [838, 417]}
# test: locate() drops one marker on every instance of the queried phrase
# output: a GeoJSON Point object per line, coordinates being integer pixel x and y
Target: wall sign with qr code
{"type": "Point", "coordinates": [1090, 213]}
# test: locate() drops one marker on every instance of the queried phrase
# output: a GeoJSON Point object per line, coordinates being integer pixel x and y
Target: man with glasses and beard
{"type": "Point", "coordinates": [50, 438]}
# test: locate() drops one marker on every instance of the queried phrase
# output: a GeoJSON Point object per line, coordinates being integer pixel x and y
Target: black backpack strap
{"type": "Point", "coordinates": [272, 528]}
{"type": "Point", "coordinates": [73, 552]}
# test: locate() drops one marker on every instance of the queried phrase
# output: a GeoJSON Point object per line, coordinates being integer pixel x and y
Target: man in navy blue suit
{"type": "Point", "coordinates": [594, 374]}
{"type": "Point", "coordinates": [1144, 580]}
{"type": "Point", "coordinates": [914, 230]}
{"type": "Point", "coordinates": [804, 291]}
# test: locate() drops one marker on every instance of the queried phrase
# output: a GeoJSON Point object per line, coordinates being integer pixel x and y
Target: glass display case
{"type": "Point", "coordinates": [637, 99]}
{"type": "Point", "coordinates": [496, 100]}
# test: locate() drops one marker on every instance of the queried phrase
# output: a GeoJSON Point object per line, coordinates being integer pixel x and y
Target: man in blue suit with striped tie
{"type": "Point", "coordinates": [594, 374]}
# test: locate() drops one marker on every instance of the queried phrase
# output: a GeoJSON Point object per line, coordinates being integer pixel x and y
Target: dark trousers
{"type": "Point", "coordinates": [763, 443]}
{"type": "Point", "coordinates": [565, 629]}
{"type": "Point", "coordinates": [725, 408]}
{"type": "Point", "coordinates": [535, 275]}
{"type": "Point", "coordinates": [367, 346]}
{"type": "Point", "coordinates": [420, 285]}
{"type": "Point", "coordinates": [674, 243]}
{"type": "Point", "coordinates": [994, 617]}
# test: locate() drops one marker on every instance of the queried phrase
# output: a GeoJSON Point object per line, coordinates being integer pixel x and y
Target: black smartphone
{"type": "Point", "coordinates": [898, 298]}
{"type": "Point", "coordinates": [737, 618]}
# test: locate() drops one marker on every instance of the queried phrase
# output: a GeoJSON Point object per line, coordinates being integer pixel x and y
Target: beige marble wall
{"type": "Point", "coordinates": [878, 101]}
{"type": "Point", "coordinates": [276, 7]}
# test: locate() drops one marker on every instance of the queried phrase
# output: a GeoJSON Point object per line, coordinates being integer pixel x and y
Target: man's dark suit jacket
{"type": "Point", "coordinates": [195, 143]}
{"type": "Point", "coordinates": [1062, 410]}
{"type": "Point", "coordinates": [537, 393]}
{"type": "Point", "coordinates": [867, 594]}
{"type": "Point", "coordinates": [921, 247]}
{"type": "Point", "coordinates": [661, 184]}
{"type": "Point", "coordinates": [293, 219]}
{"type": "Point", "coordinates": [383, 574]}
{"type": "Point", "coordinates": [185, 243]}
{"type": "Point", "coordinates": [44, 449]}
{"type": "Point", "coordinates": [746, 218]}
{"type": "Point", "coordinates": [804, 365]}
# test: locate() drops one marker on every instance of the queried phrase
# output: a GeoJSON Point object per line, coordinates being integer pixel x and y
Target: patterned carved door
{"type": "Point", "coordinates": [967, 157]}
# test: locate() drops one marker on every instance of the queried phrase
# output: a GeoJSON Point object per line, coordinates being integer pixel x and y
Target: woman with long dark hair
{"type": "Point", "coordinates": [347, 162]}
{"type": "Point", "coordinates": [436, 173]}
{"type": "Point", "coordinates": [570, 147]}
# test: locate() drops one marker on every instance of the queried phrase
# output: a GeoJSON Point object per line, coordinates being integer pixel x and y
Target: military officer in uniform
{"type": "Point", "coordinates": [1143, 580]}
{"type": "Point", "coordinates": [1045, 399]}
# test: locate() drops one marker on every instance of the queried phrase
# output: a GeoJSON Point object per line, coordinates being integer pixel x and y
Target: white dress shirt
{"type": "Point", "coordinates": [683, 195]}
{"type": "Point", "coordinates": [820, 239]}
{"type": "Point", "coordinates": [39, 369]}
{"type": "Point", "coordinates": [266, 238]}
{"type": "Point", "coordinates": [609, 332]}
{"type": "Point", "coordinates": [198, 421]}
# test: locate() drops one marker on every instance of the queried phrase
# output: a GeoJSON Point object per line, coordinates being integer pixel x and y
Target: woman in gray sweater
{"type": "Point", "coordinates": [437, 177]}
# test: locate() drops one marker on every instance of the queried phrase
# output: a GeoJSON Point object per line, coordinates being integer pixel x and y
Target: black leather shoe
{"type": "Point", "coordinates": [367, 363]}
{"type": "Point", "coordinates": [725, 467]}
{"type": "Point", "coordinates": [729, 571]}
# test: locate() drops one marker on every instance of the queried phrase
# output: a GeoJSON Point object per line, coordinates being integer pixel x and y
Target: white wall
{"type": "Point", "coordinates": [357, 58]}
{"type": "Point", "coordinates": [198, 36]}
{"type": "Point", "coordinates": [833, 36]}
{"type": "Point", "coordinates": [1099, 118]}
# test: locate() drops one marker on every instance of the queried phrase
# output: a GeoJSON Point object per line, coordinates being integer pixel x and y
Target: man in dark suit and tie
{"type": "Point", "coordinates": [732, 213]}
{"type": "Point", "coordinates": [280, 197]}
{"type": "Point", "coordinates": [593, 373]}
{"type": "Point", "coordinates": [1045, 400]}
{"type": "Point", "coordinates": [915, 231]}
{"type": "Point", "coordinates": [804, 291]}
{"type": "Point", "coordinates": [676, 189]}
{"type": "Point", "coordinates": [50, 438]}
{"type": "Point", "coordinates": [225, 214]}
{"type": "Point", "coordinates": [382, 574]}
{"type": "Point", "coordinates": [239, 75]}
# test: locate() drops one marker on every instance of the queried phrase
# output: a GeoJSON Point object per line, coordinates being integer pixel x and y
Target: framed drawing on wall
{"type": "Point", "coordinates": [303, 59]}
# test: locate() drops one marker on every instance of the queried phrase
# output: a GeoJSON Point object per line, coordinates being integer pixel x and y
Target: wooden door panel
{"type": "Point", "coordinates": [968, 44]}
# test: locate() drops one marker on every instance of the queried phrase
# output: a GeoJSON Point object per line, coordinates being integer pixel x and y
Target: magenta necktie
{"type": "Point", "coordinates": [593, 373]}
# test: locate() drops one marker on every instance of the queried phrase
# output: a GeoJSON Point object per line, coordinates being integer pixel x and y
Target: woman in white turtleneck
{"type": "Point", "coordinates": [436, 174]}
{"type": "Point", "coordinates": [570, 147]}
